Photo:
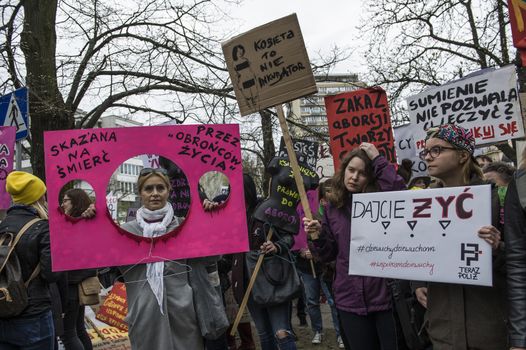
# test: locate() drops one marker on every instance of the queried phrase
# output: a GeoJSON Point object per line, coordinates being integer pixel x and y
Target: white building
{"type": "Point", "coordinates": [310, 112]}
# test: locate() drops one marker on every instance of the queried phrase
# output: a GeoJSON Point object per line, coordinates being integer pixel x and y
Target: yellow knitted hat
{"type": "Point", "coordinates": [24, 188]}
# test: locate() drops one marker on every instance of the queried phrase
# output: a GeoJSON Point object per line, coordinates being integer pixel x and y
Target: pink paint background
{"type": "Point", "coordinates": [98, 242]}
{"type": "Point", "coordinates": [7, 137]}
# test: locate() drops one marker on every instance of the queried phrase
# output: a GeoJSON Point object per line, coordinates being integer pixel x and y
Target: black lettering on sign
{"type": "Point", "coordinates": [275, 77]}
{"type": "Point", "coordinates": [376, 210]}
{"type": "Point", "coordinates": [458, 108]}
{"type": "Point", "coordinates": [83, 139]}
{"type": "Point", "coordinates": [81, 163]}
{"type": "Point", "coordinates": [209, 148]}
{"type": "Point", "coordinates": [267, 43]}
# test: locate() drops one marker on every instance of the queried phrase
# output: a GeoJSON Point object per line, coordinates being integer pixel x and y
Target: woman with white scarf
{"type": "Point", "coordinates": [161, 312]}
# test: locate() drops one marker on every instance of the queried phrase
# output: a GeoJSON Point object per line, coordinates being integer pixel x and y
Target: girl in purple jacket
{"type": "Point", "coordinates": [363, 303]}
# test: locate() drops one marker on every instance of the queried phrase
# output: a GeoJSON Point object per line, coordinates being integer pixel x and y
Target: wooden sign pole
{"type": "Point", "coordinates": [295, 169]}
{"type": "Point", "coordinates": [293, 162]}
{"type": "Point", "coordinates": [304, 202]}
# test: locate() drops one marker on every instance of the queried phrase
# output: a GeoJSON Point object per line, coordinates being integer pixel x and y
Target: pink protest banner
{"type": "Point", "coordinates": [93, 156]}
{"type": "Point", "coordinates": [7, 150]}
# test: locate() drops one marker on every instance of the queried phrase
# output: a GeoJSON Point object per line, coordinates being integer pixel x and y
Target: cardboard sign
{"type": "Point", "coordinates": [109, 338]}
{"type": "Point", "coordinates": [103, 336]}
{"type": "Point", "coordinates": [426, 235]}
{"type": "Point", "coordinates": [487, 103]}
{"type": "Point", "coordinates": [7, 151]}
{"type": "Point", "coordinates": [356, 117]}
{"type": "Point", "coordinates": [268, 65]}
{"type": "Point", "coordinates": [306, 151]}
{"type": "Point", "coordinates": [405, 149]}
{"type": "Point", "coordinates": [93, 156]}
{"type": "Point", "coordinates": [115, 308]}
{"type": "Point", "coordinates": [279, 209]}
{"type": "Point", "coordinates": [517, 10]}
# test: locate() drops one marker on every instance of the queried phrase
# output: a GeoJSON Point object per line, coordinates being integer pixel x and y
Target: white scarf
{"type": "Point", "coordinates": [155, 271]}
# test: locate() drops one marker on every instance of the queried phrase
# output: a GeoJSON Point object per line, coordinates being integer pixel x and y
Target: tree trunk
{"type": "Point", "coordinates": [46, 105]}
{"type": "Point", "coordinates": [268, 146]}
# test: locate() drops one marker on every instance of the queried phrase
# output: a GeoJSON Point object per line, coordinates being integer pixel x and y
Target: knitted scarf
{"type": "Point", "coordinates": [154, 271]}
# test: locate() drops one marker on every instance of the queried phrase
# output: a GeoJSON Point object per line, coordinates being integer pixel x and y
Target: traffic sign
{"type": "Point", "coordinates": [14, 111]}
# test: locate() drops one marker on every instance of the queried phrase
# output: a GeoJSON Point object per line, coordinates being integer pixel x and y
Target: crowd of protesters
{"type": "Point", "coordinates": [176, 304]}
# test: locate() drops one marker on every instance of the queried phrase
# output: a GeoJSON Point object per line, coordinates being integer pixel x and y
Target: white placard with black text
{"type": "Point", "coordinates": [426, 235]}
{"type": "Point", "coordinates": [486, 103]}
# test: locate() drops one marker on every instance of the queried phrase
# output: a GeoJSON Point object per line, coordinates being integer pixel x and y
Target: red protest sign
{"type": "Point", "coordinates": [517, 10]}
{"type": "Point", "coordinates": [115, 307]}
{"type": "Point", "coordinates": [356, 117]}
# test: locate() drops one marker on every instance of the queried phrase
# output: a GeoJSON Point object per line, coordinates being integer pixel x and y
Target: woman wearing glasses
{"type": "Point", "coordinates": [75, 203]}
{"type": "Point", "coordinates": [363, 303]}
{"type": "Point", "coordinates": [463, 316]}
{"type": "Point", "coordinates": [161, 306]}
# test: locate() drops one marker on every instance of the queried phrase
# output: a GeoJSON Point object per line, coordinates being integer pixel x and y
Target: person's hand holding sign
{"type": "Point", "coordinates": [312, 227]}
{"type": "Point", "coordinates": [306, 254]}
{"type": "Point", "coordinates": [90, 212]}
{"type": "Point", "coordinates": [491, 235]}
{"type": "Point", "coordinates": [209, 205]}
{"type": "Point", "coordinates": [421, 296]}
{"type": "Point", "coordinates": [268, 248]}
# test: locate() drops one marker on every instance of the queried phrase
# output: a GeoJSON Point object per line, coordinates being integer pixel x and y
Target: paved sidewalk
{"type": "Point", "coordinates": [305, 333]}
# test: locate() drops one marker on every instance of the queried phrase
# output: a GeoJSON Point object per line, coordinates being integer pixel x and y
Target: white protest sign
{"type": "Point", "coordinates": [150, 161]}
{"type": "Point", "coordinates": [405, 149]}
{"type": "Point", "coordinates": [426, 235]}
{"type": "Point", "coordinates": [112, 202]}
{"type": "Point", "coordinates": [487, 104]}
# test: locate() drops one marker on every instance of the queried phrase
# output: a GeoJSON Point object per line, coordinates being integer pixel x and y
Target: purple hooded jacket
{"type": "Point", "coordinates": [356, 294]}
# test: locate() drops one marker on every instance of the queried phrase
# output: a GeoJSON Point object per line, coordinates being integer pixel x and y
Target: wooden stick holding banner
{"type": "Point", "coordinates": [249, 289]}
{"type": "Point", "coordinates": [295, 169]}
{"type": "Point", "coordinates": [268, 66]}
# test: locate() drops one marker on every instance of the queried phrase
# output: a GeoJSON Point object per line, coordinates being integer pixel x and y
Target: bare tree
{"type": "Point", "coordinates": [415, 44]}
{"type": "Point", "coordinates": [157, 56]}
{"type": "Point", "coordinates": [151, 58]}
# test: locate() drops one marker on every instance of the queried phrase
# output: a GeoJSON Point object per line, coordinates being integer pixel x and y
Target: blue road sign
{"type": "Point", "coordinates": [14, 111]}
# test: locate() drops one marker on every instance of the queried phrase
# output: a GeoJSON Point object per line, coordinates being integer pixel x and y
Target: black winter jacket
{"type": "Point", "coordinates": [33, 247]}
{"type": "Point", "coordinates": [515, 236]}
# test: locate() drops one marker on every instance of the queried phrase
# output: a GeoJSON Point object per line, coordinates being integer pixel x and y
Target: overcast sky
{"type": "Point", "coordinates": [323, 24]}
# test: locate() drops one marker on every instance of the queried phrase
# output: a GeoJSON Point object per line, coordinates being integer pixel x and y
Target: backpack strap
{"type": "Point", "coordinates": [35, 273]}
{"type": "Point", "coordinates": [15, 241]}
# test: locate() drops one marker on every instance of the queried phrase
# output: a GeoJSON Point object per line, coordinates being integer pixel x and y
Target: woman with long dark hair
{"type": "Point", "coordinates": [74, 203]}
{"type": "Point", "coordinates": [363, 303]}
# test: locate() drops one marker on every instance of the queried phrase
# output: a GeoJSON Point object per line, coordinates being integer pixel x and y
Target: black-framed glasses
{"type": "Point", "coordinates": [146, 171]}
{"type": "Point", "coordinates": [433, 151]}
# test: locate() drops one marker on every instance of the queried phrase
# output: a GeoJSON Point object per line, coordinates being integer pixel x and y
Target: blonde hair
{"type": "Point", "coordinates": [142, 179]}
{"type": "Point", "coordinates": [471, 170]}
{"type": "Point", "coordinates": [41, 207]}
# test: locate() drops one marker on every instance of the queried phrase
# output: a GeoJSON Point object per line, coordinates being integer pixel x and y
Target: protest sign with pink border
{"type": "Point", "coordinates": [7, 150]}
{"type": "Point", "coordinates": [93, 155]}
